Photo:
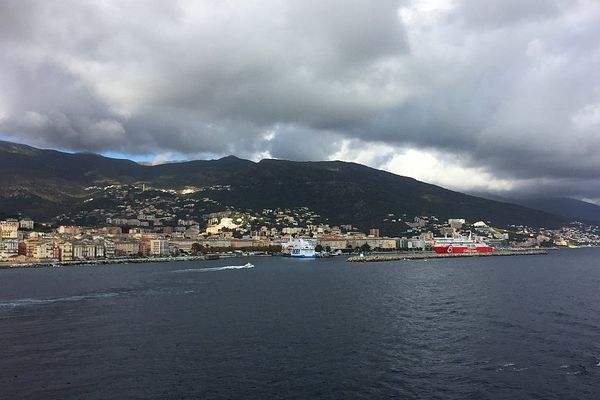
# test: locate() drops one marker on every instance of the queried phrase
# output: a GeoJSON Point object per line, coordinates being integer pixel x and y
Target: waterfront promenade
{"type": "Point", "coordinates": [132, 260]}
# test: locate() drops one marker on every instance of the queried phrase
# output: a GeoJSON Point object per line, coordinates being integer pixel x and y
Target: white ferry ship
{"type": "Point", "coordinates": [300, 248]}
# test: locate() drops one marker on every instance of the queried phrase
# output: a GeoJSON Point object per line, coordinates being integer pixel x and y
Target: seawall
{"type": "Point", "coordinates": [430, 254]}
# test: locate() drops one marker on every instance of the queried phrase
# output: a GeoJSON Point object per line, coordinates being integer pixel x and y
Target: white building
{"type": "Point", "coordinates": [215, 227]}
{"type": "Point", "coordinates": [78, 251]}
{"type": "Point", "coordinates": [8, 248]}
{"type": "Point", "coordinates": [66, 251]}
{"type": "Point", "coordinates": [89, 251]}
{"type": "Point", "coordinates": [9, 229]}
{"type": "Point", "coordinates": [159, 247]}
{"type": "Point", "coordinates": [109, 248]}
{"type": "Point", "coordinates": [43, 250]}
{"type": "Point", "coordinates": [456, 223]}
{"type": "Point", "coordinates": [26, 223]}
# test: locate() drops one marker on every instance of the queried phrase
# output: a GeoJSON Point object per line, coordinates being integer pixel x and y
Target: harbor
{"type": "Point", "coordinates": [424, 255]}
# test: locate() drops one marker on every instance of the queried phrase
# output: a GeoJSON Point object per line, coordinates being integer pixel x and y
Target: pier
{"type": "Point", "coordinates": [423, 255]}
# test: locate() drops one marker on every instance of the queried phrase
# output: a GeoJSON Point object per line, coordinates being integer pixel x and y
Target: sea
{"type": "Point", "coordinates": [520, 327]}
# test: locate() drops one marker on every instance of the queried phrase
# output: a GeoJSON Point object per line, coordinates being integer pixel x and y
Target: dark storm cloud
{"type": "Point", "coordinates": [184, 75]}
{"type": "Point", "coordinates": [510, 86]}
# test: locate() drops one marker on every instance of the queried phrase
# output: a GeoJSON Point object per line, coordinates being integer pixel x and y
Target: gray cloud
{"type": "Point", "coordinates": [509, 86]}
{"type": "Point", "coordinates": [498, 14]}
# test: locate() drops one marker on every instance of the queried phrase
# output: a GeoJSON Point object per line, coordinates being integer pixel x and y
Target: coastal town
{"type": "Point", "coordinates": [169, 225]}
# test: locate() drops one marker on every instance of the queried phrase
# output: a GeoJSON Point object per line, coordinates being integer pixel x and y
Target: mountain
{"type": "Point", "coordinates": [492, 196]}
{"type": "Point", "coordinates": [44, 183]}
{"type": "Point", "coordinates": [566, 207]}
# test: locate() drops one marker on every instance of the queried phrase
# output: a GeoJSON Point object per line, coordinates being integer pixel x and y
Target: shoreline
{"type": "Point", "coordinates": [137, 260]}
{"type": "Point", "coordinates": [379, 257]}
{"type": "Point", "coordinates": [430, 255]}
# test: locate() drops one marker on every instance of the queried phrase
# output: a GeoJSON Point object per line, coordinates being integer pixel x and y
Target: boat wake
{"type": "Point", "coordinates": [227, 267]}
{"type": "Point", "coordinates": [32, 302]}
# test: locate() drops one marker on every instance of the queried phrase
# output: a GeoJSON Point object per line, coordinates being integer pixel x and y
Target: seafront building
{"type": "Point", "coordinates": [159, 247]}
{"type": "Point", "coordinates": [234, 232]}
{"type": "Point", "coordinates": [8, 248]}
{"type": "Point", "coordinates": [9, 229]}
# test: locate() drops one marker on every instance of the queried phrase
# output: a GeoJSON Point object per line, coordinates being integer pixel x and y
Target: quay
{"type": "Point", "coordinates": [423, 255]}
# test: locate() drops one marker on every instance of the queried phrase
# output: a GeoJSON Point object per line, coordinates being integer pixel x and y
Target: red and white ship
{"type": "Point", "coordinates": [460, 245]}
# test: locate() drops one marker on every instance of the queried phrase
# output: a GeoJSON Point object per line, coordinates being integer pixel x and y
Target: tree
{"type": "Point", "coordinates": [197, 248]}
{"type": "Point", "coordinates": [365, 248]}
{"type": "Point", "coordinates": [319, 248]}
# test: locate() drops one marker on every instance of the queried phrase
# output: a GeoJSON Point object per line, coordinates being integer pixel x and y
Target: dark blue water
{"type": "Point", "coordinates": [492, 328]}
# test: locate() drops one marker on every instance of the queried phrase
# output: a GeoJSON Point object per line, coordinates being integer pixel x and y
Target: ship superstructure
{"type": "Point", "coordinates": [300, 248]}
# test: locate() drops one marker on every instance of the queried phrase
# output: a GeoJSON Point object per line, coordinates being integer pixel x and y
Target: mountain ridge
{"type": "Point", "coordinates": [575, 209]}
{"type": "Point", "coordinates": [564, 206]}
{"type": "Point", "coordinates": [43, 183]}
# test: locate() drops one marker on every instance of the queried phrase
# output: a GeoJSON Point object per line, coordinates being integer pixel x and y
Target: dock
{"type": "Point", "coordinates": [423, 255]}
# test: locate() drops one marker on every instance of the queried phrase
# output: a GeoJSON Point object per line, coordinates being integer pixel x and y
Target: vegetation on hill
{"type": "Point", "coordinates": [43, 183]}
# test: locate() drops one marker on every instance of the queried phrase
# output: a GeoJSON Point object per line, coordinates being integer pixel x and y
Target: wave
{"type": "Point", "coordinates": [576, 369]}
{"type": "Point", "coordinates": [510, 367]}
{"type": "Point", "coordinates": [227, 267]}
{"type": "Point", "coordinates": [10, 304]}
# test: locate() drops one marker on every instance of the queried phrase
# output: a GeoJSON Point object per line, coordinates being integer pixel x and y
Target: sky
{"type": "Point", "coordinates": [495, 96]}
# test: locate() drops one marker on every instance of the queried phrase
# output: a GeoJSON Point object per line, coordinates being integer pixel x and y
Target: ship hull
{"type": "Point", "coordinates": [461, 249]}
{"type": "Point", "coordinates": [299, 255]}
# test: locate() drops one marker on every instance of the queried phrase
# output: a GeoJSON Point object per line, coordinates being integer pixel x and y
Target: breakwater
{"type": "Point", "coordinates": [423, 255]}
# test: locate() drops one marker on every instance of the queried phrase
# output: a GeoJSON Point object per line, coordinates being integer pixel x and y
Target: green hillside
{"type": "Point", "coordinates": [43, 183]}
